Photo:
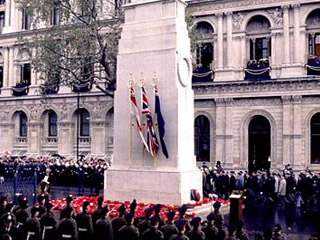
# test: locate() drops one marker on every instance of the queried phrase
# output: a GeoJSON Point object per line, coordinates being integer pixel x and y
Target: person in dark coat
{"type": "Point", "coordinates": [103, 227]}
{"type": "Point", "coordinates": [210, 230]}
{"type": "Point", "coordinates": [146, 223]}
{"type": "Point", "coordinates": [68, 208]}
{"type": "Point", "coordinates": [41, 202]}
{"type": "Point", "coordinates": [8, 227]}
{"type": "Point", "coordinates": [196, 233]}
{"type": "Point", "coordinates": [67, 229]}
{"type": "Point", "coordinates": [181, 225]}
{"type": "Point", "coordinates": [240, 233]}
{"type": "Point", "coordinates": [32, 226]}
{"type": "Point", "coordinates": [48, 224]}
{"type": "Point", "coordinates": [157, 210]}
{"type": "Point", "coordinates": [118, 222]}
{"type": "Point", "coordinates": [218, 216]}
{"type": "Point", "coordinates": [153, 233]}
{"type": "Point", "coordinates": [22, 216]}
{"type": "Point", "coordinates": [170, 228]}
{"type": "Point", "coordinates": [84, 223]}
{"type": "Point", "coordinates": [129, 231]}
{"type": "Point", "coordinates": [96, 215]}
{"type": "Point", "coordinates": [3, 205]}
{"type": "Point", "coordinates": [182, 211]}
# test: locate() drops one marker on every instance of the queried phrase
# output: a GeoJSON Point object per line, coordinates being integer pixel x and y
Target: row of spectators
{"type": "Point", "coordinates": [283, 187]}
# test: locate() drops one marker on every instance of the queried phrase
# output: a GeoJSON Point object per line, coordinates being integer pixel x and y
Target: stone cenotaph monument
{"type": "Point", "coordinates": [154, 39]}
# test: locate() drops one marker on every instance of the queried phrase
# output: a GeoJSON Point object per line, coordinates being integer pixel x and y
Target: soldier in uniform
{"type": "Point", "coordinates": [22, 216]}
{"type": "Point", "coordinates": [170, 228]}
{"type": "Point", "coordinates": [32, 226]}
{"type": "Point", "coordinates": [118, 222]}
{"type": "Point", "coordinates": [196, 233]}
{"type": "Point", "coordinates": [240, 233]}
{"type": "Point", "coordinates": [84, 223]}
{"type": "Point", "coordinates": [68, 208]}
{"type": "Point", "coordinates": [41, 202]}
{"type": "Point", "coordinates": [48, 224]}
{"type": "Point", "coordinates": [210, 230]}
{"type": "Point", "coordinates": [103, 227]}
{"type": "Point", "coordinates": [157, 209]}
{"type": "Point", "coordinates": [181, 225]}
{"type": "Point", "coordinates": [8, 227]}
{"type": "Point", "coordinates": [146, 223]}
{"type": "Point", "coordinates": [97, 214]}
{"type": "Point", "coordinates": [218, 216]}
{"type": "Point", "coordinates": [67, 229]}
{"type": "Point", "coordinates": [182, 211]}
{"type": "Point", "coordinates": [153, 233]}
{"type": "Point", "coordinates": [129, 231]}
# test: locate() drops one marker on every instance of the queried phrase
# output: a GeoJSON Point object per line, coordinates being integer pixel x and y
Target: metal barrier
{"type": "Point", "coordinates": [18, 185]}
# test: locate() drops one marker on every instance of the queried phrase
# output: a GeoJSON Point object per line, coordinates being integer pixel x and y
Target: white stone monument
{"type": "Point", "coordinates": [154, 39]}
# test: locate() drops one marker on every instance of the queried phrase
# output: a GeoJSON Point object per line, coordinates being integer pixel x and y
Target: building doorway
{"type": "Point", "coordinates": [259, 144]}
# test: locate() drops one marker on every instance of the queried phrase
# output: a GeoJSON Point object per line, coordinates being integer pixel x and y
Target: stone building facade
{"type": "Point", "coordinates": [260, 107]}
{"type": "Point", "coordinates": [32, 124]}
{"type": "Point", "coordinates": [257, 93]}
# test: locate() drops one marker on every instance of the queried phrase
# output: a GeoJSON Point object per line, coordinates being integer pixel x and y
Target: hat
{"type": "Point", "coordinates": [195, 221]}
{"type": "Point", "coordinates": [181, 223]}
{"type": "Point", "coordinates": [129, 216]}
{"type": "Point", "coordinates": [69, 199]}
{"type": "Point", "coordinates": [170, 215]}
{"type": "Point", "coordinates": [105, 210]}
{"type": "Point", "coordinates": [277, 227]}
{"type": "Point", "coordinates": [7, 217]}
{"type": "Point", "coordinates": [157, 207]}
{"type": "Point", "coordinates": [211, 217]}
{"type": "Point", "coordinates": [182, 209]}
{"type": "Point", "coordinates": [216, 205]}
{"type": "Point", "coordinates": [49, 206]}
{"type": "Point", "coordinates": [133, 205]}
{"type": "Point", "coordinates": [34, 210]}
{"type": "Point", "coordinates": [148, 211]}
{"type": "Point", "coordinates": [85, 204]}
{"type": "Point", "coordinates": [100, 200]}
{"type": "Point", "coordinates": [122, 209]}
{"type": "Point", "coordinates": [155, 219]}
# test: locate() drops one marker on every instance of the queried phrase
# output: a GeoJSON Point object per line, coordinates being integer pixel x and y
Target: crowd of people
{"type": "Point", "coordinates": [17, 223]}
{"type": "Point", "coordinates": [275, 187]}
{"type": "Point", "coordinates": [80, 173]}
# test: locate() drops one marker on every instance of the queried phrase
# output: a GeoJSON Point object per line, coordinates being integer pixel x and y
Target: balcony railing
{"type": "Point", "coordinates": [22, 140]}
{"type": "Point", "coordinates": [84, 140]}
{"type": "Point", "coordinates": [257, 70]}
{"type": "Point", "coordinates": [51, 140]}
{"type": "Point", "coordinates": [20, 89]}
{"type": "Point", "coordinates": [202, 74]}
{"type": "Point", "coordinates": [313, 66]}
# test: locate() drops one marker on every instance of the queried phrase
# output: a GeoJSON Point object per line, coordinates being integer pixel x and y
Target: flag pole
{"type": "Point", "coordinates": [130, 85]}
{"type": "Point", "coordinates": [141, 84]}
{"type": "Point", "coordinates": [154, 83]}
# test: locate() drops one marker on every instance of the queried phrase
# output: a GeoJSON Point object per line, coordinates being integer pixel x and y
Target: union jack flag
{"type": "Point", "coordinates": [134, 111]}
{"type": "Point", "coordinates": [152, 140]}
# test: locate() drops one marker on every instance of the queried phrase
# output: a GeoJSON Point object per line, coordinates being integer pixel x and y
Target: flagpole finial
{"type": "Point", "coordinates": [155, 80]}
{"type": "Point", "coordinates": [131, 81]}
{"type": "Point", "coordinates": [141, 81]}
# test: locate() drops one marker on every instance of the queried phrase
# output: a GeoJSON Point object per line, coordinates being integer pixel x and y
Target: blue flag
{"type": "Point", "coordinates": [161, 123]}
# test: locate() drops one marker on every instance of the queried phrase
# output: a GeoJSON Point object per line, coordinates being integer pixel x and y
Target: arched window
{"type": "Point", "coordinates": [202, 138]}
{"type": "Point", "coordinates": [313, 28]}
{"type": "Point", "coordinates": [23, 127]}
{"type": "Point", "coordinates": [204, 49]}
{"type": "Point", "coordinates": [84, 123]}
{"type": "Point", "coordinates": [258, 30]}
{"type": "Point", "coordinates": [52, 124]}
{"type": "Point", "coordinates": [315, 139]}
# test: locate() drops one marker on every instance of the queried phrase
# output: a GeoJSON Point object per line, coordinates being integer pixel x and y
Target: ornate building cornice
{"type": "Point", "coordinates": [236, 89]}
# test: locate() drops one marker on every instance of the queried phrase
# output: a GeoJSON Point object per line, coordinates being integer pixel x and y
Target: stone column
{"type": "Point", "coordinates": [220, 130]}
{"type": "Point", "coordinates": [220, 40]}
{"type": "Point", "coordinates": [34, 137]}
{"type": "Point", "coordinates": [287, 129]}
{"type": "Point", "coordinates": [6, 69]}
{"type": "Point", "coordinates": [286, 35]}
{"type": "Point", "coordinates": [228, 144]}
{"type": "Point", "coordinates": [230, 53]}
{"type": "Point", "coordinates": [273, 49]}
{"type": "Point", "coordinates": [66, 137]}
{"type": "Point", "coordinates": [98, 137]}
{"type": "Point", "coordinates": [296, 33]}
{"type": "Point", "coordinates": [253, 48]}
{"type": "Point", "coordinates": [298, 161]}
{"type": "Point", "coordinates": [12, 69]}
